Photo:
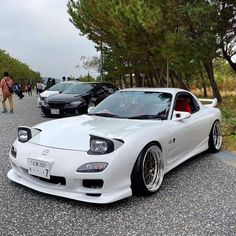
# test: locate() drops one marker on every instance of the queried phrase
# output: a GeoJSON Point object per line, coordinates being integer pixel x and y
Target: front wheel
{"type": "Point", "coordinates": [148, 171]}
{"type": "Point", "coordinates": [215, 137]}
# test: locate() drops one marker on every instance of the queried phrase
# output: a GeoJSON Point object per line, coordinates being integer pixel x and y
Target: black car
{"type": "Point", "coordinates": [76, 99]}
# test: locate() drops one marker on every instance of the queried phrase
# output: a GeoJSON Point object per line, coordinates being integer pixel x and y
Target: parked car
{"type": "Point", "coordinates": [76, 99]}
{"type": "Point", "coordinates": [125, 145]}
{"type": "Point", "coordinates": [55, 89]}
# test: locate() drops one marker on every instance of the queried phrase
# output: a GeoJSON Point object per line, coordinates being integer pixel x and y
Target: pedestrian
{"type": "Point", "coordinates": [38, 85]}
{"type": "Point", "coordinates": [18, 91]}
{"type": "Point", "coordinates": [29, 89]}
{"type": "Point", "coordinates": [63, 79]}
{"type": "Point", "coordinates": [7, 92]}
{"type": "Point", "coordinates": [53, 82]}
{"type": "Point", "coordinates": [49, 83]}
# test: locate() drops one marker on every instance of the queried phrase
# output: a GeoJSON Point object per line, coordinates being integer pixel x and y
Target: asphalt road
{"type": "Point", "coordinates": [196, 198]}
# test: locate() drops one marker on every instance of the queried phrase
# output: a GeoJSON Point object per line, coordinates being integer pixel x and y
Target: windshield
{"type": "Point", "coordinates": [60, 87]}
{"type": "Point", "coordinates": [80, 88]}
{"type": "Point", "coordinates": [135, 105]}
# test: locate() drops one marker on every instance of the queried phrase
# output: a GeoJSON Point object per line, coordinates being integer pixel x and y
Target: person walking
{"type": "Point", "coordinates": [7, 92]}
{"type": "Point", "coordinates": [29, 89]}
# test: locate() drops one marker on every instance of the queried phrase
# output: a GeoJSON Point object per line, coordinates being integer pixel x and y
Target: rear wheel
{"type": "Point", "coordinates": [215, 137]}
{"type": "Point", "coordinates": [148, 171]}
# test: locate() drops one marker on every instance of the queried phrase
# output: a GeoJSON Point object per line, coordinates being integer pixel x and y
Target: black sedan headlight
{"type": "Point", "coordinates": [100, 146]}
{"type": "Point", "coordinates": [26, 133]}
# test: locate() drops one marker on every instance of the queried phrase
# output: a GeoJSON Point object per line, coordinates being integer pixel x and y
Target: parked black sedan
{"type": "Point", "coordinates": [76, 99]}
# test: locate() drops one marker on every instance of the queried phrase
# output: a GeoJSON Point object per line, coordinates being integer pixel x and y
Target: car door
{"type": "Point", "coordinates": [189, 133]}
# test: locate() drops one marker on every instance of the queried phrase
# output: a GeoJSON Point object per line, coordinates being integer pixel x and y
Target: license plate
{"type": "Point", "coordinates": [55, 112]}
{"type": "Point", "coordinates": [39, 168]}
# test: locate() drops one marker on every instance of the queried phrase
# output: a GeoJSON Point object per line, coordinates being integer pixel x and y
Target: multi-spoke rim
{"type": "Point", "coordinates": [216, 135]}
{"type": "Point", "coordinates": [152, 169]}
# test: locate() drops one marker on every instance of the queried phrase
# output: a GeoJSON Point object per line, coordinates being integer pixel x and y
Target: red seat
{"type": "Point", "coordinates": [183, 105]}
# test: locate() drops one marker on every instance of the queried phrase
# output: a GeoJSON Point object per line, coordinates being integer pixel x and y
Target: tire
{"type": "Point", "coordinates": [148, 171]}
{"type": "Point", "coordinates": [215, 137]}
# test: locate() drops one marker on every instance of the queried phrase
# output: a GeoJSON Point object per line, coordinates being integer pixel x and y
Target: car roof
{"type": "Point", "coordinates": [163, 90]}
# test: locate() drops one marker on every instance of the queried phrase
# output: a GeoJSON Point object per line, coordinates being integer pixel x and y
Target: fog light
{"type": "Point", "coordinates": [13, 151]}
{"type": "Point", "coordinates": [93, 167]}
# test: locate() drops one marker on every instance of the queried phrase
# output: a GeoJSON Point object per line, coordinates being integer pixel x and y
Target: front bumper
{"type": "Point", "coordinates": [116, 177]}
{"type": "Point", "coordinates": [63, 110]}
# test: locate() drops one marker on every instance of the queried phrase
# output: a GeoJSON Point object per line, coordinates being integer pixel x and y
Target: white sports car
{"type": "Point", "coordinates": [55, 89]}
{"type": "Point", "coordinates": [124, 145]}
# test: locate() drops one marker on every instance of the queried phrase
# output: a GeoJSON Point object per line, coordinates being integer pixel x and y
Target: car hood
{"type": "Point", "coordinates": [64, 98]}
{"type": "Point", "coordinates": [74, 133]}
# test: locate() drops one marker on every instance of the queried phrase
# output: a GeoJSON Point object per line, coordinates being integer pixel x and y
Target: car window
{"type": "Point", "coordinates": [60, 87]}
{"type": "Point", "coordinates": [131, 104]}
{"type": "Point", "coordinates": [80, 88]}
{"type": "Point", "coordinates": [109, 88]}
{"type": "Point", "coordinates": [186, 102]}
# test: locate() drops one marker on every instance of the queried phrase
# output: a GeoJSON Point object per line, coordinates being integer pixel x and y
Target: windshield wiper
{"type": "Point", "coordinates": [147, 117]}
{"type": "Point", "coordinates": [104, 114]}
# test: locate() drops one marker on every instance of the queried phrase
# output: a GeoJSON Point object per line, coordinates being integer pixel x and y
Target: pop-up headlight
{"type": "Point", "coordinates": [100, 146]}
{"type": "Point", "coordinates": [26, 133]}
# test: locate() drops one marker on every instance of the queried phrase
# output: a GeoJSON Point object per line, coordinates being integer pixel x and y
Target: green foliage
{"type": "Point", "coordinates": [87, 78]}
{"type": "Point", "coordinates": [18, 71]}
{"type": "Point", "coordinates": [139, 37]}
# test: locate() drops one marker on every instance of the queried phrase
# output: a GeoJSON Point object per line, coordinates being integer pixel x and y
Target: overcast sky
{"type": "Point", "coordinates": [38, 33]}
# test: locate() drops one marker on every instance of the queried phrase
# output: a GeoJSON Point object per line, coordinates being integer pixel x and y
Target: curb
{"type": "Point", "coordinates": [227, 157]}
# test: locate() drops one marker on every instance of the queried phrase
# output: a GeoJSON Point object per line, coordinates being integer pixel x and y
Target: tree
{"type": "Point", "coordinates": [20, 72]}
{"type": "Point", "coordinates": [141, 38]}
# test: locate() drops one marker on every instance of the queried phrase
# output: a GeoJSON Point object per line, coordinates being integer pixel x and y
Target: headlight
{"type": "Point", "coordinates": [26, 133]}
{"type": "Point", "coordinates": [77, 103]}
{"type": "Point", "coordinates": [13, 151]}
{"type": "Point", "coordinates": [101, 146]}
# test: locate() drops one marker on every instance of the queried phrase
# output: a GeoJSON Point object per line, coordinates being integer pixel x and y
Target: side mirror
{"type": "Point", "coordinates": [181, 115]}
{"type": "Point", "coordinates": [90, 109]}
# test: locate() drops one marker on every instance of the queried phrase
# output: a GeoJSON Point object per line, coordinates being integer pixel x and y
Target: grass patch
{"type": "Point", "coordinates": [228, 109]}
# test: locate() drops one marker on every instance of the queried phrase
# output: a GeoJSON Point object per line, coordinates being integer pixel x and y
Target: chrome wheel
{"type": "Point", "coordinates": [216, 135]}
{"type": "Point", "coordinates": [152, 168]}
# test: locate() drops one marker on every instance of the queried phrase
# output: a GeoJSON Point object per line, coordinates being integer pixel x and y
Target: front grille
{"type": "Point", "coordinates": [53, 179]}
{"type": "Point", "coordinates": [56, 105]}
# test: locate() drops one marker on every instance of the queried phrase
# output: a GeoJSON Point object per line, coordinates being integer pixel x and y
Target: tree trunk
{"type": "Point", "coordinates": [151, 80]}
{"type": "Point", "coordinates": [209, 69]}
{"type": "Point", "coordinates": [203, 83]}
{"type": "Point", "coordinates": [228, 58]}
{"type": "Point", "coordinates": [131, 80]}
{"type": "Point", "coordinates": [172, 81]}
{"type": "Point", "coordinates": [138, 80]}
{"type": "Point", "coordinates": [180, 80]}
{"type": "Point", "coordinates": [120, 82]}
